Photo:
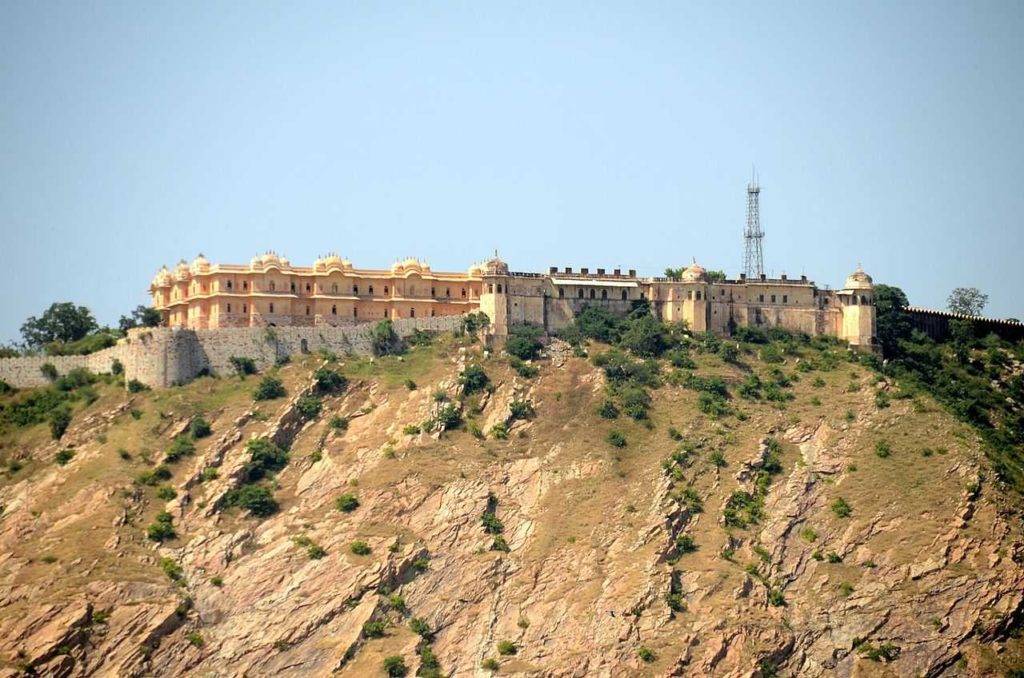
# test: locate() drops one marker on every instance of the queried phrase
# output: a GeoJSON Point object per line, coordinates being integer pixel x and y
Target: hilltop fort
{"type": "Point", "coordinates": [270, 291]}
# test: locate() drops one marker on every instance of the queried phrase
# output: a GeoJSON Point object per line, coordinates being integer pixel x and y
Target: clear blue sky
{"type": "Point", "coordinates": [135, 134]}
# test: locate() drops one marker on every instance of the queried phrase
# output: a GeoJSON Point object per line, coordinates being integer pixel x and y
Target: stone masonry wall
{"type": "Point", "coordinates": [161, 357]}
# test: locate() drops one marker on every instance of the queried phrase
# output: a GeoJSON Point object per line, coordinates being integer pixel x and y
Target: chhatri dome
{"type": "Point", "coordinates": [859, 280]}
{"type": "Point", "coordinates": [410, 265]}
{"type": "Point", "coordinates": [163, 278]}
{"type": "Point", "coordinates": [694, 273]}
{"type": "Point", "coordinates": [181, 270]}
{"type": "Point", "coordinates": [199, 265]}
{"type": "Point", "coordinates": [332, 260]}
{"type": "Point", "coordinates": [268, 259]}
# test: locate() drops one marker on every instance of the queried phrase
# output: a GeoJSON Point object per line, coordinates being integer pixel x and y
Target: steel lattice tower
{"type": "Point", "coordinates": [753, 255]}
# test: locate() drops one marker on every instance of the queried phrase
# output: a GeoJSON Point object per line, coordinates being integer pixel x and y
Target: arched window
{"type": "Point", "coordinates": [863, 299]}
{"type": "Point", "coordinates": [229, 284]}
{"type": "Point", "coordinates": [581, 294]}
{"type": "Point", "coordinates": [591, 293]}
{"type": "Point", "coordinates": [334, 288]}
{"type": "Point", "coordinates": [412, 312]}
{"type": "Point", "coordinates": [625, 295]}
{"type": "Point", "coordinates": [604, 294]}
{"type": "Point", "coordinates": [371, 289]}
{"type": "Point", "coordinates": [499, 288]}
{"type": "Point", "coordinates": [432, 292]}
{"type": "Point", "coordinates": [245, 284]}
{"type": "Point", "coordinates": [293, 287]}
{"type": "Point", "coordinates": [273, 287]}
{"type": "Point", "coordinates": [385, 290]}
{"type": "Point", "coordinates": [355, 289]}
{"type": "Point", "coordinates": [334, 310]}
{"type": "Point", "coordinates": [447, 291]}
{"type": "Point", "coordinates": [698, 295]}
{"type": "Point", "coordinates": [307, 288]}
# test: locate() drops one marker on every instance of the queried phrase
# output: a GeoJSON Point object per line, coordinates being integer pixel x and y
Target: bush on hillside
{"type": "Point", "coordinates": [269, 388]}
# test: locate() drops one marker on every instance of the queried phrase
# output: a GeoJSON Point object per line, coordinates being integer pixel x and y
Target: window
{"type": "Point", "coordinates": [760, 297]}
{"type": "Point", "coordinates": [625, 295]}
{"type": "Point", "coordinates": [581, 294]}
{"type": "Point", "coordinates": [271, 308]}
{"type": "Point", "coordinates": [229, 284]}
{"type": "Point", "coordinates": [273, 287]}
{"type": "Point", "coordinates": [307, 288]}
{"type": "Point", "coordinates": [773, 298]}
{"type": "Point", "coordinates": [432, 292]}
{"type": "Point", "coordinates": [412, 312]}
{"type": "Point", "coordinates": [371, 289]}
{"type": "Point", "coordinates": [229, 308]}
{"type": "Point", "coordinates": [334, 288]}
{"type": "Point", "coordinates": [561, 293]}
{"type": "Point", "coordinates": [785, 298]}
{"type": "Point", "coordinates": [355, 289]}
{"type": "Point", "coordinates": [463, 292]}
{"type": "Point", "coordinates": [698, 295]}
{"type": "Point", "coordinates": [307, 310]}
{"type": "Point", "coordinates": [499, 288]}
{"type": "Point", "coordinates": [385, 290]}
{"type": "Point", "coordinates": [355, 312]}
{"type": "Point", "coordinates": [604, 294]}
{"type": "Point", "coordinates": [490, 288]}
{"type": "Point", "coordinates": [245, 284]}
{"type": "Point", "coordinates": [432, 313]}
{"type": "Point", "coordinates": [447, 291]}
{"type": "Point", "coordinates": [293, 287]}
{"type": "Point", "coordinates": [591, 293]}
{"type": "Point", "coordinates": [245, 308]}
{"type": "Point", "coordinates": [863, 299]}
{"type": "Point", "coordinates": [334, 310]}
{"type": "Point", "coordinates": [689, 294]}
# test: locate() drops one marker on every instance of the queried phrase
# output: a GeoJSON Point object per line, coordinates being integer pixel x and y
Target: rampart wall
{"type": "Point", "coordinates": [161, 357]}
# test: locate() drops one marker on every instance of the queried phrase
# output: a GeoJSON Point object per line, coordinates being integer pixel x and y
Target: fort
{"type": "Point", "coordinates": [269, 309]}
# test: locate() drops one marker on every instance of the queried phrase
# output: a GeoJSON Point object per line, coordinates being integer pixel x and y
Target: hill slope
{"type": "Point", "coordinates": [792, 523]}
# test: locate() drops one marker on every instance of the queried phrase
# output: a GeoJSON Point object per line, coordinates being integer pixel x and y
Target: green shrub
{"type": "Point", "coordinates": [166, 493]}
{"type": "Point", "coordinates": [882, 449]}
{"type": "Point", "coordinates": [674, 433]}
{"type": "Point", "coordinates": [685, 544]}
{"type": "Point", "coordinates": [524, 370]}
{"type": "Point", "coordinates": [646, 654]}
{"type": "Point", "coordinates": [729, 353]}
{"type": "Point", "coordinates": [411, 429]}
{"type": "Point", "coordinates": [76, 378]}
{"type": "Point", "coordinates": [162, 527]}
{"type": "Point", "coordinates": [473, 379]}
{"type": "Point", "coordinates": [499, 431]}
{"type": "Point", "coordinates": [242, 365]}
{"type": "Point", "coordinates": [346, 503]}
{"type": "Point", "coordinates": [608, 410]}
{"type": "Point", "coordinates": [635, 401]}
{"type": "Point", "coordinates": [375, 628]}
{"type": "Point", "coordinates": [491, 664]}
{"type": "Point", "coordinates": [257, 499]}
{"type": "Point", "coordinates": [507, 647]}
{"type": "Point", "coordinates": [269, 388]}
{"type": "Point", "coordinates": [448, 417]}
{"type": "Point", "coordinates": [885, 652]}
{"type": "Point", "coordinates": [360, 548]}
{"type": "Point", "coordinates": [209, 473]}
{"type": "Point", "coordinates": [717, 459]}
{"type": "Point", "coordinates": [841, 508]}
{"type": "Point", "coordinates": [833, 557]}
{"type": "Point", "coordinates": [64, 456]}
{"type": "Point", "coordinates": [394, 666]}
{"type": "Point", "coordinates": [182, 446]}
{"type": "Point", "coordinates": [49, 371]}
{"type": "Point", "coordinates": [195, 639]}
{"type": "Point", "coordinates": [265, 457]}
{"type": "Point", "coordinates": [329, 381]}
{"type": "Point", "coordinates": [524, 341]}
{"type": "Point", "coordinates": [217, 581]}
{"type": "Point", "coordinates": [199, 428]}
{"type": "Point", "coordinates": [808, 534]}
{"type": "Point", "coordinates": [384, 340]}
{"type": "Point", "coordinates": [308, 406]}
{"type": "Point", "coordinates": [60, 419]}
{"type": "Point", "coordinates": [521, 409]}
{"type": "Point", "coordinates": [410, 384]}
{"type": "Point", "coordinates": [136, 386]}
{"type": "Point", "coordinates": [171, 569]}
{"type": "Point", "coordinates": [420, 627]}
{"type": "Point", "coordinates": [6, 388]}
{"type": "Point", "coordinates": [156, 476]}
{"type": "Point", "coordinates": [338, 423]}
{"type": "Point", "coordinates": [615, 439]}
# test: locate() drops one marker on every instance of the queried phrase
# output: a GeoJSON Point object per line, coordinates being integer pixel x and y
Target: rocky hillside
{"type": "Point", "coordinates": [726, 509]}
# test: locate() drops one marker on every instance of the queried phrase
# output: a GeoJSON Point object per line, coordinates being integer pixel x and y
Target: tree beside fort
{"type": "Point", "coordinates": [967, 300]}
{"type": "Point", "coordinates": [63, 322]}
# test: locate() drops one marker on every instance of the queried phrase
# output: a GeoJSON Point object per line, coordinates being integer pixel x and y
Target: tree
{"type": "Point", "coordinates": [63, 322]}
{"type": "Point", "coordinates": [891, 322]}
{"type": "Point", "coordinates": [967, 300]}
{"type": "Point", "coordinates": [384, 340]}
{"type": "Point", "coordinates": [142, 316]}
{"type": "Point", "coordinates": [524, 341]}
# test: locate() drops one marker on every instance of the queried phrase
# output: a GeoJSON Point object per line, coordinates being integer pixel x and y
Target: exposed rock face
{"type": "Point", "coordinates": [582, 571]}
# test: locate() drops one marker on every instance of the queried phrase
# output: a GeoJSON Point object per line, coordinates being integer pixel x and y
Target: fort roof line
{"type": "Point", "coordinates": [961, 316]}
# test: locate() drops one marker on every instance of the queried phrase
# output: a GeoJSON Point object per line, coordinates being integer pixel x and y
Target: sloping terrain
{"type": "Point", "coordinates": [796, 523]}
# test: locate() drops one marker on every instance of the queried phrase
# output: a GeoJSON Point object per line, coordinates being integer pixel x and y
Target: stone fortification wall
{"type": "Point", "coordinates": [161, 357]}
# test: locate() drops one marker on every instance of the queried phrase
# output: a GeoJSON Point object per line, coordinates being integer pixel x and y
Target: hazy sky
{"type": "Point", "coordinates": [584, 134]}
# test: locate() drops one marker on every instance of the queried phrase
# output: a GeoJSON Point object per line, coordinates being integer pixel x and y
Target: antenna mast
{"type": "Point", "coordinates": [753, 255]}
